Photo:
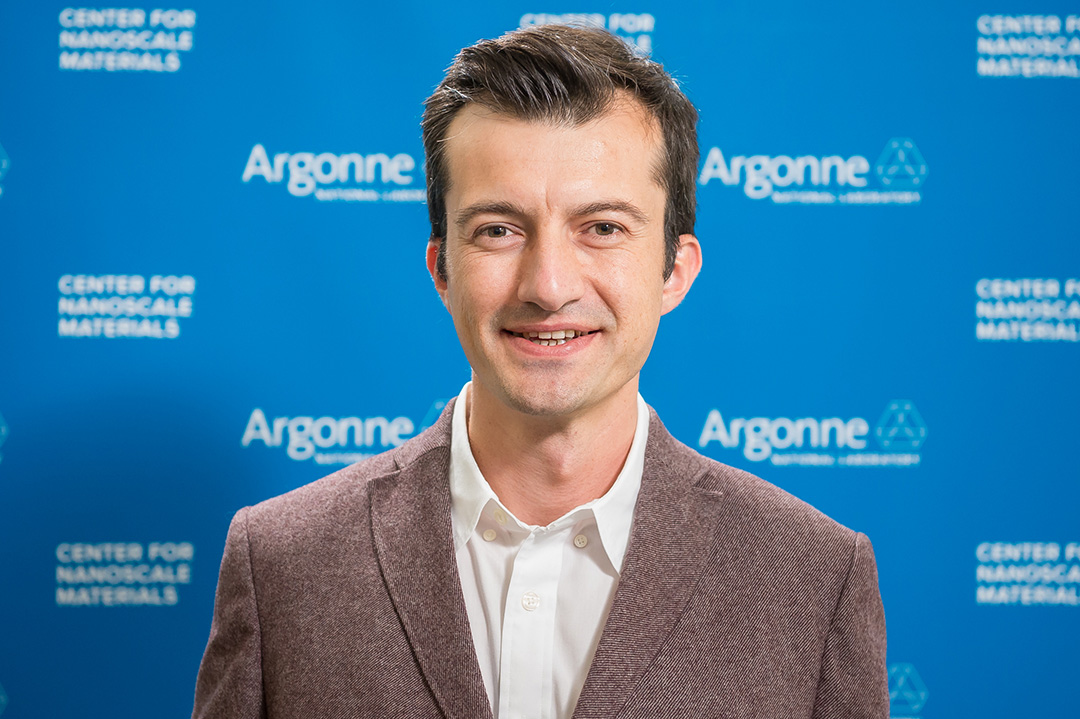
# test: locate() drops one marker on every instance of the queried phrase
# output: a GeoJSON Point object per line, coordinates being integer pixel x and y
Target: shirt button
{"type": "Point", "coordinates": [580, 541]}
{"type": "Point", "coordinates": [489, 535]}
{"type": "Point", "coordinates": [530, 601]}
{"type": "Point", "coordinates": [500, 516]}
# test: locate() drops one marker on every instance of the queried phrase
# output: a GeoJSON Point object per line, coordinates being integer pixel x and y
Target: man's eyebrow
{"type": "Point", "coordinates": [626, 208]}
{"type": "Point", "coordinates": [467, 214]}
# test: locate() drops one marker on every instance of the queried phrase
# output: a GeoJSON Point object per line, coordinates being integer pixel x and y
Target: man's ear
{"type": "Point", "coordinates": [433, 268]}
{"type": "Point", "coordinates": [687, 266]}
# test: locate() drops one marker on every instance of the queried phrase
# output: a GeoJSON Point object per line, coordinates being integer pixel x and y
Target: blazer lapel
{"type": "Point", "coordinates": [670, 541]}
{"type": "Point", "coordinates": [410, 517]}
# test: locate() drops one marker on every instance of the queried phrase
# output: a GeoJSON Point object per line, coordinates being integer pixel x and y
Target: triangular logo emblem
{"type": "Point", "coordinates": [907, 693]}
{"type": "Point", "coordinates": [901, 165]}
{"type": "Point", "coordinates": [901, 427]}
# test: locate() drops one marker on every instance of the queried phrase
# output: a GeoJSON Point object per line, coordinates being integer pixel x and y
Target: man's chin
{"type": "Point", "coordinates": [543, 402]}
{"type": "Point", "coordinates": [543, 406]}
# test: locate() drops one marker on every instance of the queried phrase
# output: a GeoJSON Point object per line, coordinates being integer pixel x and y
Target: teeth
{"type": "Point", "coordinates": [550, 339]}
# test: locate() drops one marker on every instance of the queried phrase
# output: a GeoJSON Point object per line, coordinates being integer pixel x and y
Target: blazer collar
{"type": "Point", "coordinates": [674, 529]}
{"type": "Point", "coordinates": [410, 519]}
{"type": "Point", "coordinates": [470, 493]}
{"type": "Point", "coordinates": [670, 540]}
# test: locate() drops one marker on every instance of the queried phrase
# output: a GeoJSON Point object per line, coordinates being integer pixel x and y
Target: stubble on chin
{"type": "Point", "coordinates": [550, 404]}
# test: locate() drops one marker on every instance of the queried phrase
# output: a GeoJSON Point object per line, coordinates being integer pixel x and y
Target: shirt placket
{"type": "Point", "coordinates": [525, 672]}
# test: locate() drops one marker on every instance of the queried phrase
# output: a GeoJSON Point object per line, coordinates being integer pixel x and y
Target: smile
{"type": "Point", "coordinates": [549, 339]}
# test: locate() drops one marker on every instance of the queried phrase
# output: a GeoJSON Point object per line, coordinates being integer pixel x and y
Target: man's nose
{"type": "Point", "coordinates": [551, 272]}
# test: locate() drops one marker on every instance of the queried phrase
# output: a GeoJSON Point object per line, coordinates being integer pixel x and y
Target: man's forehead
{"type": "Point", "coordinates": [624, 122]}
{"type": "Point", "coordinates": [623, 104]}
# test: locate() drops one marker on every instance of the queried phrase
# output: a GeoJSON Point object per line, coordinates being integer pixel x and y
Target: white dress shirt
{"type": "Point", "coordinates": [537, 597]}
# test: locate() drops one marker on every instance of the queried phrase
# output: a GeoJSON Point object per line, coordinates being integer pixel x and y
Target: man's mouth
{"type": "Point", "coordinates": [549, 339]}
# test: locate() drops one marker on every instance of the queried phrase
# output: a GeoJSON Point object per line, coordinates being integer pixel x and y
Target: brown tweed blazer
{"type": "Point", "coordinates": [736, 601]}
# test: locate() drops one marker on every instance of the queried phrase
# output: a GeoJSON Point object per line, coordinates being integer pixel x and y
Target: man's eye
{"type": "Point", "coordinates": [496, 231]}
{"type": "Point", "coordinates": [605, 228]}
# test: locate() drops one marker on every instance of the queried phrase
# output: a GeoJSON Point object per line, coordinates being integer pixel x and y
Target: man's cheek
{"type": "Point", "coordinates": [465, 319]}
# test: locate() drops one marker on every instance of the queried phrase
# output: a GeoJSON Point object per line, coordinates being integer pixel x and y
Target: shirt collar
{"type": "Point", "coordinates": [614, 512]}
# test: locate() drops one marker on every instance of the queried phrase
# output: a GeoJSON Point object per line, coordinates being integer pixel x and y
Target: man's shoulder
{"type": "Point", "coordinates": [779, 538]}
{"type": "Point", "coordinates": [762, 502]}
{"type": "Point", "coordinates": [757, 507]}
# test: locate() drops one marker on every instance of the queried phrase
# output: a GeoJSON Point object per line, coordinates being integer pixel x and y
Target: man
{"type": "Point", "coordinates": [547, 549]}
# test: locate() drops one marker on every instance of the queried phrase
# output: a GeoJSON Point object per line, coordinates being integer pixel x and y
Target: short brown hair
{"type": "Point", "coordinates": [564, 74]}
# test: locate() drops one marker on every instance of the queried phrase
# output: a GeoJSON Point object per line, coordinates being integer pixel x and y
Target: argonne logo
{"type": "Point", "coordinates": [334, 440]}
{"type": "Point", "coordinates": [809, 179]}
{"type": "Point", "coordinates": [350, 176]}
{"type": "Point", "coordinates": [830, 441]}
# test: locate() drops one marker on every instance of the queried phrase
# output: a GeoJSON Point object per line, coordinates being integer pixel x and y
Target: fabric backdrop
{"type": "Point", "coordinates": [213, 227]}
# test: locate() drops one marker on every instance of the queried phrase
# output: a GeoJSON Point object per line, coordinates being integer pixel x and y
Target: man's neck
{"type": "Point", "coordinates": [540, 468]}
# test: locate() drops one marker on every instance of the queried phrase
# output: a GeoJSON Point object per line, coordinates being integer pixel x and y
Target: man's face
{"type": "Point", "coordinates": [554, 229]}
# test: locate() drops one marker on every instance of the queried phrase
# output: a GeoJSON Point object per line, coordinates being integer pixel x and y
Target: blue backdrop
{"type": "Point", "coordinates": [214, 292]}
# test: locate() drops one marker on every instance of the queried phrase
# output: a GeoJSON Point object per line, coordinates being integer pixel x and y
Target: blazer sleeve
{"type": "Point", "coordinates": [229, 685]}
{"type": "Point", "coordinates": [854, 683]}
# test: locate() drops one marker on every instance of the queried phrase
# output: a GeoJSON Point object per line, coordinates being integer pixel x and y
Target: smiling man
{"type": "Point", "coordinates": [547, 549]}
